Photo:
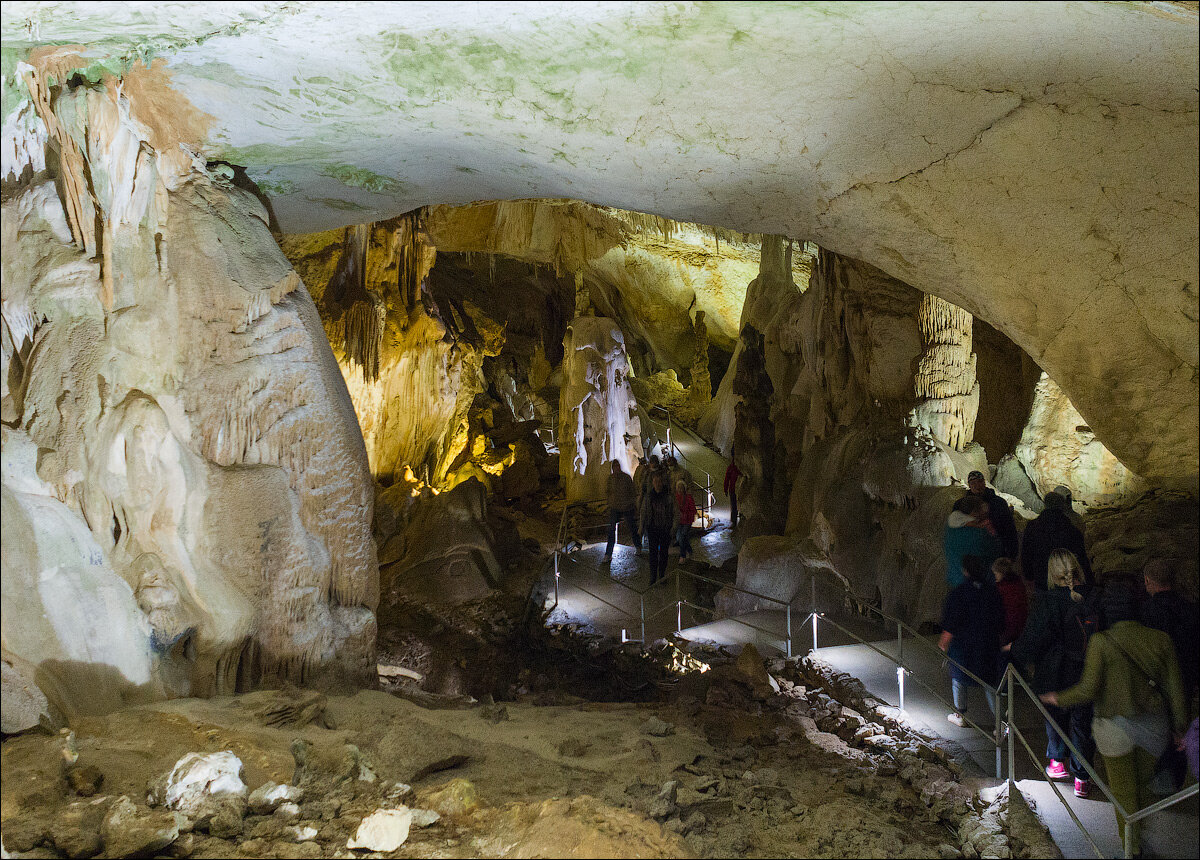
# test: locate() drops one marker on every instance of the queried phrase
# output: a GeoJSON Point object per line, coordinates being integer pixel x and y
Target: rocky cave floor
{"type": "Point", "coordinates": [700, 755]}
{"type": "Point", "coordinates": [479, 719]}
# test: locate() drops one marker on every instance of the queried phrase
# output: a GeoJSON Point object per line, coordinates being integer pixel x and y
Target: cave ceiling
{"type": "Point", "coordinates": [1034, 163]}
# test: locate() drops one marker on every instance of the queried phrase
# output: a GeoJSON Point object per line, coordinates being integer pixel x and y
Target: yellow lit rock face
{"type": "Point", "coordinates": [1058, 448]}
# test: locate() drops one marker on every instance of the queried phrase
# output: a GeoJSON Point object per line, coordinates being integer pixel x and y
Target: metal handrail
{"type": "Point", "coordinates": [1011, 678]}
{"type": "Point", "coordinates": [1019, 680]}
{"type": "Point", "coordinates": [735, 620]}
{"type": "Point", "coordinates": [902, 626]}
{"type": "Point", "coordinates": [677, 452]}
{"type": "Point", "coordinates": [1177, 797]}
{"type": "Point", "coordinates": [732, 587]}
{"type": "Point", "coordinates": [1057, 793]}
{"type": "Point", "coordinates": [901, 665]}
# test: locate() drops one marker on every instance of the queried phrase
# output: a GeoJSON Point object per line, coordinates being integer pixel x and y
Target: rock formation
{"type": "Point", "coordinates": [950, 196]}
{"type": "Point", "coordinates": [199, 472]}
{"type": "Point", "coordinates": [947, 393]}
{"type": "Point", "coordinates": [598, 420]}
{"type": "Point", "coordinates": [1058, 448]}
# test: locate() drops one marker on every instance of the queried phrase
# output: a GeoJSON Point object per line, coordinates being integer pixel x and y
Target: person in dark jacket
{"type": "Point", "coordinates": [659, 519]}
{"type": "Point", "coordinates": [971, 625]}
{"type": "Point", "coordinates": [999, 513]}
{"type": "Point", "coordinates": [622, 505]}
{"type": "Point", "coordinates": [1052, 530]}
{"type": "Point", "coordinates": [1167, 610]}
{"type": "Point", "coordinates": [1054, 641]}
{"type": "Point", "coordinates": [968, 532]}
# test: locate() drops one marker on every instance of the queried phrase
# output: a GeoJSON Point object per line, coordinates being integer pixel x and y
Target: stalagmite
{"type": "Point", "coordinates": [946, 389]}
{"type": "Point", "coordinates": [598, 420]}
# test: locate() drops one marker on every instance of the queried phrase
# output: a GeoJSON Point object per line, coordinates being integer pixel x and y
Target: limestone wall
{"type": "Point", "coordinates": [171, 370]}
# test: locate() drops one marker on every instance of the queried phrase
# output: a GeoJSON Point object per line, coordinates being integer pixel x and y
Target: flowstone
{"type": "Point", "coordinates": [598, 420]}
{"type": "Point", "coordinates": [195, 517]}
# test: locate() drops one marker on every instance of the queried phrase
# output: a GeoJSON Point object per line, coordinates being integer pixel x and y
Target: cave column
{"type": "Point", "coordinates": [597, 412]}
{"type": "Point", "coordinates": [946, 388]}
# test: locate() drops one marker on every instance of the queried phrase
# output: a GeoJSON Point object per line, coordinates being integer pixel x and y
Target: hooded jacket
{"type": "Point", "coordinates": [961, 539]}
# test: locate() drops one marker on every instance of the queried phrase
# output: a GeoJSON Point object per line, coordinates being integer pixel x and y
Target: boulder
{"type": "Point", "coordinates": [454, 798]}
{"type": "Point", "coordinates": [201, 781]}
{"type": "Point", "coordinates": [750, 670]}
{"type": "Point", "coordinates": [1011, 480]}
{"type": "Point", "coordinates": [23, 705]}
{"type": "Point", "coordinates": [130, 831]}
{"type": "Point", "coordinates": [269, 796]}
{"type": "Point", "coordinates": [449, 548]}
{"type": "Point", "coordinates": [384, 830]}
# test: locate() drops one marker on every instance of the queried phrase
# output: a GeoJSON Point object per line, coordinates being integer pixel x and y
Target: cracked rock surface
{"type": "Point", "coordinates": [1032, 164]}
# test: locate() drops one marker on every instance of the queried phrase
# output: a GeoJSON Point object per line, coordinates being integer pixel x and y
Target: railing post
{"type": "Point", "coordinates": [556, 577]}
{"type": "Point", "coordinates": [1012, 765]}
{"type": "Point", "coordinates": [899, 642]}
{"type": "Point", "coordinates": [642, 602]}
{"type": "Point", "coordinates": [678, 616]}
{"type": "Point", "coordinates": [999, 736]}
{"type": "Point", "coordinates": [814, 613]}
{"type": "Point", "coordinates": [789, 630]}
{"type": "Point", "coordinates": [900, 684]}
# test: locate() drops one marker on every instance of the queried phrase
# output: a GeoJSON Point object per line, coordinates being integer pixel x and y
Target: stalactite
{"type": "Point", "coordinates": [415, 256]}
{"type": "Point", "coordinates": [363, 327]}
{"type": "Point", "coordinates": [77, 201]}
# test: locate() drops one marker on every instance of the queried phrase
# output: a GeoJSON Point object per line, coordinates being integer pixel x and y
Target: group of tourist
{"type": "Point", "coordinates": [1116, 667]}
{"type": "Point", "coordinates": [658, 506]}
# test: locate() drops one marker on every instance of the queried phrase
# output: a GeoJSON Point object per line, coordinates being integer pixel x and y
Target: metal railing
{"type": "Point", "coordinates": [1007, 733]}
{"type": "Point", "coordinates": [1003, 736]}
{"type": "Point", "coordinates": [640, 617]}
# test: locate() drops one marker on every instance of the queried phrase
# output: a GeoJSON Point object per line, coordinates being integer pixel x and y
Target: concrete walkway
{"type": "Point", "coordinates": [615, 599]}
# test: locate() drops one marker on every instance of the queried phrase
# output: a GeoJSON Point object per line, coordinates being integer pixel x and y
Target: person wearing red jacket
{"type": "Point", "coordinates": [686, 505]}
{"type": "Point", "coordinates": [1014, 596]}
{"type": "Point", "coordinates": [730, 486]}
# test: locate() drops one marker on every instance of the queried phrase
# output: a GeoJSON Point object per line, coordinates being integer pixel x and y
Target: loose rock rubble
{"type": "Point", "coordinates": [734, 760]}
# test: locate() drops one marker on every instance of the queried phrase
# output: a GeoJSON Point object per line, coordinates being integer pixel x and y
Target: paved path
{"type": "Point", "coordinates": [1170, 834]}
{"type": "Point", "coordinates": [614, 599]}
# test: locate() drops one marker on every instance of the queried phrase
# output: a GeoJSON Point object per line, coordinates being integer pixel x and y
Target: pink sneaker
{"type": "Point", "coordinates": [1057, 770]}
{"type": "Point", "coordinates": [1082, 788]}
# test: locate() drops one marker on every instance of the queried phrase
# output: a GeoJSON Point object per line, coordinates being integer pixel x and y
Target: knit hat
{"type": "Point", "coordinates": [1054, 499]}
{"type": "Point", "coordinates": [975, 474]}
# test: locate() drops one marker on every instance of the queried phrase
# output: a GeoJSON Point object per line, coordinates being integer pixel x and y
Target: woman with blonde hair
{"type": "Point", "coordinates": [1063, 570]}
{"type": "Point", "coordinates": [1055, 641]}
